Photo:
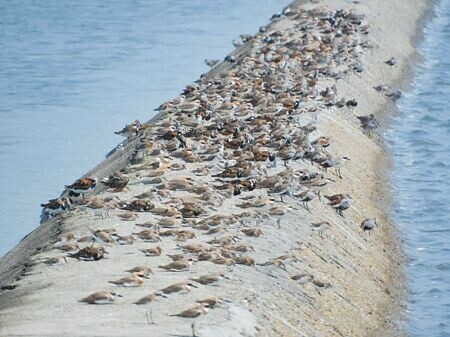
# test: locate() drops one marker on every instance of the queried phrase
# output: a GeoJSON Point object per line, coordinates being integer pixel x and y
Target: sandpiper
{"type": "Point", "coordinates": [368, 224]}
{"type": "Point", "coordinates": [320, 227]}
{"type": "Point", "coordinates": [305, 197]}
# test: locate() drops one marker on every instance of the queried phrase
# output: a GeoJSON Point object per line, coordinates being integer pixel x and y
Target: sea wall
{"type": "Point", "coordinates": [224, 177]}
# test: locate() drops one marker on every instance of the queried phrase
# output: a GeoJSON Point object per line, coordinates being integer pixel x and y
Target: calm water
{"type": "Point", "coordinates": [72, 72]}
{"type": "Point", "coordinates": [420, 140]}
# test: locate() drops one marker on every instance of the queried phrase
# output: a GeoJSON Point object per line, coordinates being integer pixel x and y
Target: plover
{"type": "Point", "coordinates": [145, 271]}
{"type": "Point", "coordinates": [156, 251]}
{"type": "Point", "coordinates": [101, 297]}
{"type": "Point", "coordinates": [178, 287]}
{"type": "Point", "coordinates": [179, 265]}
{"type": "Point", "coordinates": [207, 279]}
{"type": "Point", "coordinates": [135, 280]}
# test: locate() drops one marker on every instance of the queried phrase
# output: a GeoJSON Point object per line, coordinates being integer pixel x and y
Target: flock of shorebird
{"type": "Point", "coordinates": [233, 139]}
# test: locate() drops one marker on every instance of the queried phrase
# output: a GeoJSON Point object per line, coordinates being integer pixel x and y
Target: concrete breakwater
{"type": "Point", "coordinates": [225, 182]}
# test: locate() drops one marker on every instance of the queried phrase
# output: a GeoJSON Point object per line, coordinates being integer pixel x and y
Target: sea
{"type": "Point", "coordinates": [73, 72]}
{"type": "Point", "coordinates": [419, 138]}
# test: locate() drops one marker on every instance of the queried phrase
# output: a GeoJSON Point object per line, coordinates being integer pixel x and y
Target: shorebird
{"type": "Point", "coordinates": [336, 163]}
{"type": "Point", "coordinates": [90, 253]}
{"type": "Point", "coordinates": [149, 300]}
{"type": "Point", "coordinates": [156, 251]}
{"type": "Point", "coordinates": [207, 279]}
{"type": "Point", "coordinates": [303, 278]}
{"type": "Point", "coordinates": [211, 63]}
{"type": "Point", "coordinates": [279, 212]}
{"type": "Point", "coordinates": [130, 281]}
{"type": "Point", "coordinates": [83, 185]}
{"type": "Point", "coordinates": [211, 302]}
{"type": "Point", "coordinates": [56, 206]}
{"type": "Point", "coordinates": [193, 312]}
{"type": "Point", "coordinates": [117, 181]}
{"type": "Point", "coordinates": [281, 189]}
{"type": "Point", "coordinates": [318, 184]}
{"type": "Point", "coordinates": [305, 197]}
{"type": "Point", "coordinates": [102, 235]}
{"type": "Point", "coordinates": [179, 265]}
{"type": "Point", "coordinates": [320, 227]}
{"type": "Point", "coordinates": [125, 240]}
{"type": "Point", "coordinates": [101, 297]}
{"type": "Point", "coordinates": [144, 271]}
{"type": "Point", "coordinates": [340, 203]}
{"type": "Point", "coordinates": [177, 287]}
{"type": "Point", "coordinates": [130, 130]}
{"type": "Point", "coordinates": [368, 224]}
{"type": "Point", "coordinates": [368, 123]}
{"type": "Point", "coordinates": [255, 232]}
{"type": "Point", "coordinates": [391, 62]}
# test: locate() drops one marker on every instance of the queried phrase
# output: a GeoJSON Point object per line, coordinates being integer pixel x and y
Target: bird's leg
{"type": "Point", "coordinates": [279, 223]}
{"type": "Point", "coordinates": [193, 329]}
{"type": "Point", "coordinates": [318, 194]}
{"type": "Point", "coordinates": [281, 198]}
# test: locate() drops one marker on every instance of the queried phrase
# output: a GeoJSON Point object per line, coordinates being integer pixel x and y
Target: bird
{"type": "Point", "coordinates": [211, 63]}
{"type": "Point", "coordinates": [336, 163]}
{"type": "Point", "coordinates": [130, 130]}
{"type": "Point", "coordinates": [207, 279]}
{"type": "Point", "coordinates": [117, 181]}
{"type": "Point", "coordinates": [278, 212]}
{"type": "Point", "coordinates": [194, 312]}
{"type": "Point", "coordinates": [177, 287]}
{"type": "Point", "coordinates": [83, 185]}
{"type": "Point", "coordinates": [101, 297]}
{"type": "Point", "coordinates": [90, 253]}
{"type": "Point", "coordinates": [56, 206]}
{"type": "Point", "coordinates": [391, 62]}
{"type": "Point", "coordinates": [135, 280]}
{"type": "Point", "coordinates": [211, 302]}
{"type": "Point", "coordinates": [340, 203]}
{"type": "Point", "coordinates": [368, 224]}
{"type": "Point", "coordinates": [368, 123]}
{"type": "Point", "coordinates": [144, 271]}
{"type": "Point", "coordinates": [305, 197]}
{"type": "Point", "coordinates": [320, 227]}
{"type": "Point", "coordinates": [303, 278]}
{"type": "Point", "coordinates": [179, 265]}
{"type": "Point", "coordinates": [156, 251]}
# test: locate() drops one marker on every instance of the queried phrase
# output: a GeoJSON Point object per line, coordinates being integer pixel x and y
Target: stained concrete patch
{"type": "Point", "coordinates": [241, 322]}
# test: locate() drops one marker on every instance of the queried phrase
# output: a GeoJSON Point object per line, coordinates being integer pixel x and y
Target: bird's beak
{"type": "Point", "coordinates": [193, 285]}
{"type": "Point", "coordinates": [143, 276]}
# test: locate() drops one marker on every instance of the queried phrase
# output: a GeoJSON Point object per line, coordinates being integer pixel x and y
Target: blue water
{"type": "Point", "coordinates": [72, 72]}
{"type": "Point", "coordinates": [420, 140]}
